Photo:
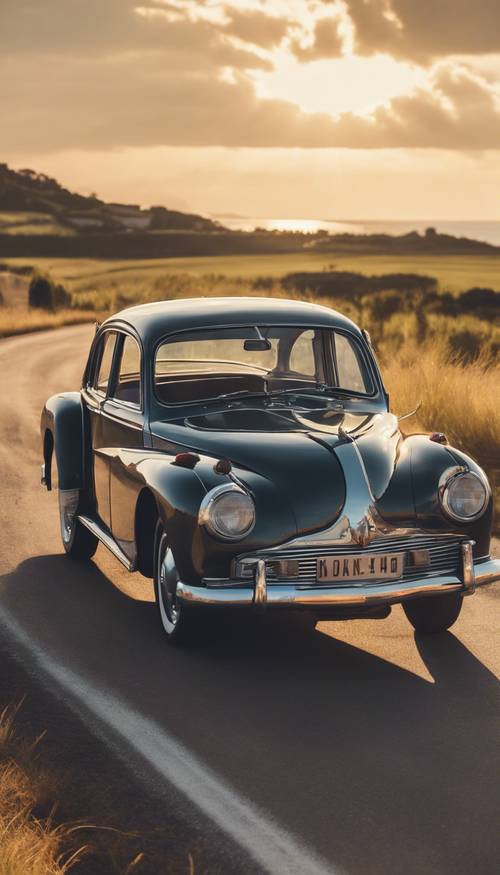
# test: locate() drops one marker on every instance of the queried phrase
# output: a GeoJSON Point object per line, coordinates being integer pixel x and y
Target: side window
{"type": "Point", "coordinates": [350, 367]}
{"type": "Point", "coordinates": [104, 361]}
{"type": "Point", "coordinates": [302, 355]}
{"type": "Point", "coordinates": [128, 384]}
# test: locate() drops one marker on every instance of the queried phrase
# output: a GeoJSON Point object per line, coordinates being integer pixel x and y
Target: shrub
{"type": "Point", "coordinates": [41, 292]}
{"type": "Point", "coordinates": [45, 294]}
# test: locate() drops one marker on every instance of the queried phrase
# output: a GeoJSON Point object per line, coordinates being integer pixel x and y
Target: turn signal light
{"type": "Point", "coordinates": [186, 460]}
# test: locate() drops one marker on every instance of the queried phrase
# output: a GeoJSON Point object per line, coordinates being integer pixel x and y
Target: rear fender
{"type": "Point", "coordinates": [63, 430]}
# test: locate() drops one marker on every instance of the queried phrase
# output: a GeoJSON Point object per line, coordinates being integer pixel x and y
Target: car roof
{"type": "Point", "coordinates": [155, 320]}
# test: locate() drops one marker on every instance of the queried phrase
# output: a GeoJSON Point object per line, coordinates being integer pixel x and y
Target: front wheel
{"type": "Point", "coordinates": [78, 542]}
{"type": "Point", "coordinates": [433, 614]}
{"type": "Point", "coordinates": [180, 622]}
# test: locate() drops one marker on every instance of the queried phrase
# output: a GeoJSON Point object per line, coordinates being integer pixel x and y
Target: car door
{"type": "Point", "coordinates": [124, 425]}
{"type": "Point", "coordinates": [95, 391]}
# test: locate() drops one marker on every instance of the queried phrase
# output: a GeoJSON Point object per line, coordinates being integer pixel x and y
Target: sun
{"type": "Point", "coordinates": [346, 84]}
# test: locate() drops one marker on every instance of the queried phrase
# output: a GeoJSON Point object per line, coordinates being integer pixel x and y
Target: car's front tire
{"type": "Point", "coordinates": [78, 542]}
{"type": "Point", "coordinates": [180, 622]}
{"type": "Point", "coordinates": [433, 614]}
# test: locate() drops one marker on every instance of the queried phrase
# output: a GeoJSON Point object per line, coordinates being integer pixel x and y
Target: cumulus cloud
{"type": "Point", "coordinates": [128, 101]}
{"type": "Point", "coordinates": [254, 26]}
{"type": "Point", "coordinates": [326, 42]}
{"type": "Point", "coordinates": [111, 73]}
{"type": "Point", "coordinates": [423, 30]}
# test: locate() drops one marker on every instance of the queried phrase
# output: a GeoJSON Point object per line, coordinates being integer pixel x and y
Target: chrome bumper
{"type": "Point", "coordinates": [228, 593]}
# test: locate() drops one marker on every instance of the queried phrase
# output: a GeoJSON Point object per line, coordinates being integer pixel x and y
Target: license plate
{"type": "Point", "coordinates": [360, 566]}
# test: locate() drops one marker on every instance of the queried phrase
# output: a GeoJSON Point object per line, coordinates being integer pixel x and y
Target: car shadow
{"type": "Point", "coordinates": [379, 769]}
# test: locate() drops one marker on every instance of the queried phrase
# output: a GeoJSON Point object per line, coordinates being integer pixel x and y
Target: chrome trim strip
{"type": "Point", "coordinates": [260, 597]}
{"type": "Point", "coordinates": [200, 595]}
{"type": "Point", "coordinates": [107, 539]}
{"type": "Point", "coordinates": [288, 596]}
{"type": "Point", "coordinates": [487, 571]}
{"type": "Point", "coordinates": [469, 576]}
{"type": "Point", "coordinates": [445, 557]}
{"type": "Point", "coordinates": [233, 593]}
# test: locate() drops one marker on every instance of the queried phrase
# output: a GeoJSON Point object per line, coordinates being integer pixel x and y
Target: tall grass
{"type": "Point", "coordinates": [454, 372]}
{"type": "Point", "coordinates": [463, 400]}
{"type": "Point", "coordinates": [30, 843]}
{"type": "Point", "coordinates": [15, 320]}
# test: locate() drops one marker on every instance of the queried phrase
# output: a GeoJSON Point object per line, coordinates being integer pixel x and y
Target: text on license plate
{"type": "Point", "coordinates": [360, 566]}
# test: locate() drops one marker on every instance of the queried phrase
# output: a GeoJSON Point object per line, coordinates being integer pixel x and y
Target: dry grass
{"type": "Point", "coordinates": [17, 320]}
{"type": "Point", "coordinates": [461, 400]}
{"type": "Point", "coordinates": [454, 272]}
{"type": "Point", "coordinates": [30, 844]}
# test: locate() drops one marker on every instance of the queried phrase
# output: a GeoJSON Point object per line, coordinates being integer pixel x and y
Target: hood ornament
{"type": "Point", "coordinates": [364, 531]}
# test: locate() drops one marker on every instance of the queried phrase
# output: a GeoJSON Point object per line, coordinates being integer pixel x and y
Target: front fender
{"type": "Point", "coordinates": [179, 492]}
{"type": "Point", "coordinates": [412, 496]}
{"type": "Point", "coordinates": [62, 428]}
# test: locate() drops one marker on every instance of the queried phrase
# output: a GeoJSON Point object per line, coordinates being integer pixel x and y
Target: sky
{"type": "Point", "coordinates": [341, 109]}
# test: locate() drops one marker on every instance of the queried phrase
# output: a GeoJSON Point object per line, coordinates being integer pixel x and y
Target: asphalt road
{"type": "Point", "coordinates": [352, 749]}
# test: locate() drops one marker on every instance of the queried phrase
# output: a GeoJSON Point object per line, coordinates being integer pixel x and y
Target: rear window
{"type": "Point", "coordinates": [209, 363]}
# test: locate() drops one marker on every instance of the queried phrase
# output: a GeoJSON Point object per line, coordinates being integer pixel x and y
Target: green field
{"type": "Point", "coordinates": [32, 223]}
{"type": "Point", "coordinates": [454, 273]}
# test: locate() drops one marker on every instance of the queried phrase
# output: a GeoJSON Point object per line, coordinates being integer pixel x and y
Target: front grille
{"type": "Point", "coordinates": [445, 558]}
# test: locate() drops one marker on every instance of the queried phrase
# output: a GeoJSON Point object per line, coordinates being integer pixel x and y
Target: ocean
{"type": "Point", "coordinates": [488, 231]}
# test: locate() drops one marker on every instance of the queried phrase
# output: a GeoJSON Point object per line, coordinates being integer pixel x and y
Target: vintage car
{"type": "Point", "coordinates": [241, 453]}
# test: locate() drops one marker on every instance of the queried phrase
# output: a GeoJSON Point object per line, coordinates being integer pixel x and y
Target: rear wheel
{"type": "Point", "coordinates": [180, 622]}
{"type": "Point", "coordinates": [78, 542]}
{"type": "Point", "coordinates": [433, 614]}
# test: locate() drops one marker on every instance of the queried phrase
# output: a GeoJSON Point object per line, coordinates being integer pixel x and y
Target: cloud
{"type": "Point", "coordinates": [326, 42]}
{"type": "Point", "coordinates": [113, 74]}
{"type": "Point", "coordinates": [132, 100]}
{"type": "Point", "coordinates": [257, 27]}
{"type": "Point", "coordinates": [424, 30]}
{"type": "Point", "coordinates": [108, 28]}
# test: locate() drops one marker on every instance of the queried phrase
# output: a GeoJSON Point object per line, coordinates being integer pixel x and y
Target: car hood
{"type": "Point", "coordinates": [296, 452]}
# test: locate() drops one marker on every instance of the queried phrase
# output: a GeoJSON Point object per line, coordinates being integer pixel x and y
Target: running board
{"type": "Point", "coordinates": [107, 539]}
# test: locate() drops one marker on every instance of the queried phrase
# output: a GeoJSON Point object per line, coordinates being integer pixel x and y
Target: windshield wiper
{"type": "Point", "coordinates": [242, 393]}
{"type": "Point", "coordinates": [323, 391]}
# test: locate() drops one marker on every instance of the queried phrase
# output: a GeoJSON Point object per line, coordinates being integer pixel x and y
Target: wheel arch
{"type": "Point", "coordinates": [63, 418]}
{"type": "Point", "coordinates": [147, 514]}
{"type": "Point", "coordinates": [48, 451]}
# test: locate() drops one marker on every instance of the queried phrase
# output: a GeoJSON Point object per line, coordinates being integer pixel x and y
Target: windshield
{"type": "Point", "coordinates": [234, 360]}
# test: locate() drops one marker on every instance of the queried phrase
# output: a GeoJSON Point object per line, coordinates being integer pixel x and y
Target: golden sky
{"type": "Point", "coordinates": [299, 108]}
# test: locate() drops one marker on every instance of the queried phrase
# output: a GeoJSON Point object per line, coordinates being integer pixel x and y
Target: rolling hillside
{"type": "Point", "coordinates": [33, 203]}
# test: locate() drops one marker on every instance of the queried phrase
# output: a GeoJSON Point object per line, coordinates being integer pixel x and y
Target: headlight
{"type": "Point", "coordinates": [464, 494]}
{"type": "Point", "coordinates": [227, 512]}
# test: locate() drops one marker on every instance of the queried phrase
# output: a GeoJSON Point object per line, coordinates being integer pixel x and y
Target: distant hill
{"type": "Point", "coordinates": [37, 203]}
{"type": "Point", "coordinates": [41, 218]}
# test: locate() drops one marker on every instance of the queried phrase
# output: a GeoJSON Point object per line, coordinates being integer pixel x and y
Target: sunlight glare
{"type": "Point", "coordinates": [347, 84]}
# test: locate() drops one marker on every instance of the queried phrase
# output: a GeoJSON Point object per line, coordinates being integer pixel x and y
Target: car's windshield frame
{"type": "Point", "coordinates": [367, 360]}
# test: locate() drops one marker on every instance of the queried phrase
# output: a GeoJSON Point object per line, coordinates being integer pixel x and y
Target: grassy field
{"type": "Point", "coordinates": [14, 321]}
{"type": "Point", "coordinates": [454, 273]}
{"type": "Point", "coordinates": [459, 394]}
{"type": "Point", "coordinates": [32, 223]}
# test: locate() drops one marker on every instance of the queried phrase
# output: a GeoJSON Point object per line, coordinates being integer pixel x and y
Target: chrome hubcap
{"type": "Point", "coordinates": [167, 580]}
